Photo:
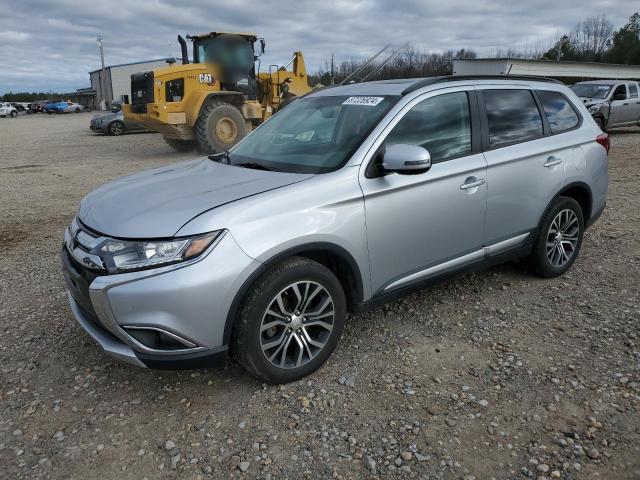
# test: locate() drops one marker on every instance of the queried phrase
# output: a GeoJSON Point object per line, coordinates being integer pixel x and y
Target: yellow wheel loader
{"type": "Point", "coordinates": [216, 100]}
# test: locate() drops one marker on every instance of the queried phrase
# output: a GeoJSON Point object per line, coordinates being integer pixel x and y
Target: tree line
{"type": "Point", "coordinates": [593, 40]}
{"type": "Point", "coordinates": [29, 96]}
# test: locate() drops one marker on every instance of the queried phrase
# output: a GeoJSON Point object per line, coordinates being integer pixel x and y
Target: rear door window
{"type": "Point", "coordinates": [633, 90]}
{"type": "Point", "coordinates": [512, 117]}
{"type": "Point", "coordinates": [560, 114]}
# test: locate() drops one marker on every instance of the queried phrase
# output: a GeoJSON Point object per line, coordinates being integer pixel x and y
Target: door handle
{"type": "Point", "coordinates": [552, 162]}
{"type": "Point", "coordinates": [473, 184]}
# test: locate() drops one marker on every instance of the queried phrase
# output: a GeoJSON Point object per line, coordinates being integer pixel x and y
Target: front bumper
{"type": "Point", "coordinates": [169, 122]}
{"type": "Point", "coordinates": [190, 301]}
{"type": "Point", "coordinates": [98, 128]}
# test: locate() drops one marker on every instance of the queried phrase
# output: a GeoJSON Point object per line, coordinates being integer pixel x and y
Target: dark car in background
{"type": "Point", "coordinates": [114, 123]}
{"type": "Point", "coordinates": [20, 107]}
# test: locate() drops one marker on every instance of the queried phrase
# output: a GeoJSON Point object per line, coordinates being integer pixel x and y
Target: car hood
{"type": "Point", "coordinates": [157, 203]}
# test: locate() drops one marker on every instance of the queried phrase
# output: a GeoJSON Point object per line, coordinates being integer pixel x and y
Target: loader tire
{"type": "Point", "coordinates": [219, 127]}
{"type": "Point", "coordinates": [180, 145]}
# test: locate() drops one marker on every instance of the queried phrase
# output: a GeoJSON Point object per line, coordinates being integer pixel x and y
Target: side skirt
{"type": "Point", "coordinates": [491, 260]}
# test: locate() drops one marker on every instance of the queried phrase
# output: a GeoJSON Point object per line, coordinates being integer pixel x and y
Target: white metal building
{"type": "Point", "coordinates": [117, 79]}
{"type": "Point", "coordinates": [544, 68]}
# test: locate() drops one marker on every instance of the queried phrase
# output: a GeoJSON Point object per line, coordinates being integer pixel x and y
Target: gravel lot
{"type": "Point", "coordinates": [491, 375]}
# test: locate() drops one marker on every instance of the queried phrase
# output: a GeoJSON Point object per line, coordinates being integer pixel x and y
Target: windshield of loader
{"type": "Point", "coordinates": [232, 54]}
{"type": "Point", "coordinates": [313, 134]}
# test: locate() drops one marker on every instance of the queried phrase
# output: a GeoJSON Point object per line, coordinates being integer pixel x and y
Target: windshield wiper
{"type": "Point", "coordinates": [254, 166]}
{"type": "Point", "coordinates": [222, 157]}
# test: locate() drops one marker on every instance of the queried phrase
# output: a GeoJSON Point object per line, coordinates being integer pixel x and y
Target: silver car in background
{"type": "Point", "coordinates": [612, 103]}
{"type": "Point", "coordinates": [114, 122]}
{"type": "Point", "coordinates": [346, 198]}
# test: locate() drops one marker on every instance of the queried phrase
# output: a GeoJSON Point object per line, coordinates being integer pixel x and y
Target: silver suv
{"type": "Point", "coordinates": [345, 198]}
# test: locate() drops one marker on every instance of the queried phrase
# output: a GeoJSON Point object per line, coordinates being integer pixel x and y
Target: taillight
{"type": "Point", "coordinates": [603, 139]}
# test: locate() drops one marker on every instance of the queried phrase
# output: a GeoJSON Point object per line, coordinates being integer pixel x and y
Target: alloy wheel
{"type": "Point", "coordinates": [562, 238]}
{"type": "Point", "coordinates": [297, 324]}
{"type": "Point", "coordinates": [116, 128]}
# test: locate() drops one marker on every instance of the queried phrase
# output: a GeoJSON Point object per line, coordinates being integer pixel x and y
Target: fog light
{"type": "Point", "coordinates": [158, 339]}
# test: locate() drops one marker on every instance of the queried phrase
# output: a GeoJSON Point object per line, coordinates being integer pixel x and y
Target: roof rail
{"type": "Point", "coordinates": [424, 82]}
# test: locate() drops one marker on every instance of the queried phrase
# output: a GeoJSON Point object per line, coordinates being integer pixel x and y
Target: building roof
{"type": "Point", "coordinates": [545, 67]}
{"type": "Point", "coordinates": [542, 60]}
{"type": "Point", "coordinates": [164, 59]}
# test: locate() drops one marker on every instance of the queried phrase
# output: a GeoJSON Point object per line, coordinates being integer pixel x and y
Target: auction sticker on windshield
{"type": "Point", "coordinates": [365, 101]}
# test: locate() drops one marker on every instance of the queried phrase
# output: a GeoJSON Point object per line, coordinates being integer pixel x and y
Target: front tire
{"type": "Point", "coordinates": [290, 321]}
{"type": "Point", "coordinates": [559, 239]}
{"type": "Point", "coordinates": [219, 127]}
{"type": "Point", "coordinates": [180, 145]}
{"type": "Point", "coordinates": [116, 128]}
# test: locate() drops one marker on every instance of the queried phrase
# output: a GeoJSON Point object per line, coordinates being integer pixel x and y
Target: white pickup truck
{"type": "Point", "coordinates": [612, 103]}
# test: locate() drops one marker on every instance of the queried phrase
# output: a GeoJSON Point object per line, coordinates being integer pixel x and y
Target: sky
{"type": "Point", "coordinates": [50, 45]}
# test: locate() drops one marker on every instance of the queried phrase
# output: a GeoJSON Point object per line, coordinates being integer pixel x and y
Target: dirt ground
{"type": "Point", "coordinates": [492, 375]}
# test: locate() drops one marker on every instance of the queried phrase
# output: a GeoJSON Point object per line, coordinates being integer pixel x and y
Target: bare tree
{"type": "Point", "coordinates": [592, 37]}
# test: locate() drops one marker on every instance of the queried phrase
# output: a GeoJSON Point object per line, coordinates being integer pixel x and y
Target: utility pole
{"type": "Point", "coordinates": [332, 75]}
{"type": "Point", "coordinates": [103, 105]}
{"type": "Point", "coordinates": [560, 43]}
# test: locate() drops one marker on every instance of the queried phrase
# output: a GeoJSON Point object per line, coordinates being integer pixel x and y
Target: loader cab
{"type": "Point", "coordinates": [234, 56]}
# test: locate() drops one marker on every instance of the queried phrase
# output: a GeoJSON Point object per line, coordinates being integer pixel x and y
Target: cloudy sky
{"type": "Point", "coordinates": [51, 44]}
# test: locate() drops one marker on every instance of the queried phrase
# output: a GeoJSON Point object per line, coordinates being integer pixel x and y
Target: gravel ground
{"type": "Point", "coordinates": [491, 375]}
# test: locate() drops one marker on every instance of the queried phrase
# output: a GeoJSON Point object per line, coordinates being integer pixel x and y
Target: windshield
{"type": "Point", "coordinates": [313, 134]}
{"type": "Point", "coordinates": [591, 90]}
{"type": "Point", "coordinates": [231, 53]}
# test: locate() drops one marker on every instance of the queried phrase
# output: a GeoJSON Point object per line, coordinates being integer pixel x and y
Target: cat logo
{"type": "Point", "coordinates": [205, 78]}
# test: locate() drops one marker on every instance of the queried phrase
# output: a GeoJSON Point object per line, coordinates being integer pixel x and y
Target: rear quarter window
{"type": "Point", "coordinates": [558, 110]}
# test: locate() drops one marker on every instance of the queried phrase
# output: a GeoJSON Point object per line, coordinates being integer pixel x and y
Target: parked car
{"type": "Point", "coordinates": [8, 110]}
{"type": "Point", "coordinates": [612, 103]}
{"type": "Point", "coordinates": [19, 107]}
{"type": "Point", "coordinates": [37, 107]}
{"type": "Point", "coordinates": [346, 198]}
{"type": "Point", "coordinates": [114, 123]}
{"type": "Point", "coordinates": [62, 106]}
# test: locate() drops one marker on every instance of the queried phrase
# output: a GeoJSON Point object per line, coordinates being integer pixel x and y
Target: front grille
{"type": "Point", "coordinates": [78, 280]}
{"type": "Point", "coordinates": [141, 91]}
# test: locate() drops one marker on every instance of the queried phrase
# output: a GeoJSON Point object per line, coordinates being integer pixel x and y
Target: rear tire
{"type": "Point", "coordinates": [303, 333]}
{"type": "Point", "coordinates": [14, 114]}
{"type": "Point", "coordinates": [116, 128]}
{"type": "Point", "coordinates": [180, 145]}
{"type": "Point", "coordinates": [559, 239]}
{"type": "Point", "coordinates": [219, 127]}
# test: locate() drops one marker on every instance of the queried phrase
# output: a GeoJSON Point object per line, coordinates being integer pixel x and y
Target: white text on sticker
{"type": "Point", "coordinates": [365, 101]}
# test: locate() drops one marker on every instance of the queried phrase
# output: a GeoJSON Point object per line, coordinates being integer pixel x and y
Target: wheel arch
{"type": "Point", "coordinates": [332, 256]}
{"type": "Point", "coordinates": [234, 98]}
{"type": "Point", "coordinates": [580, 192]}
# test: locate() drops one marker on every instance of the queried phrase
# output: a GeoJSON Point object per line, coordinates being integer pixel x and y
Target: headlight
{"type": "Point", "coordinates": [134, 255]}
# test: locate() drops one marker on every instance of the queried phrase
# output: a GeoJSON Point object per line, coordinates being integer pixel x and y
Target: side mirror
{"type": "Point", "coordinates": [619, 96]}
{"type": "Point", "coordinates": [262, 45]}
{"type": "Point", "coordinates": [406, 159]}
